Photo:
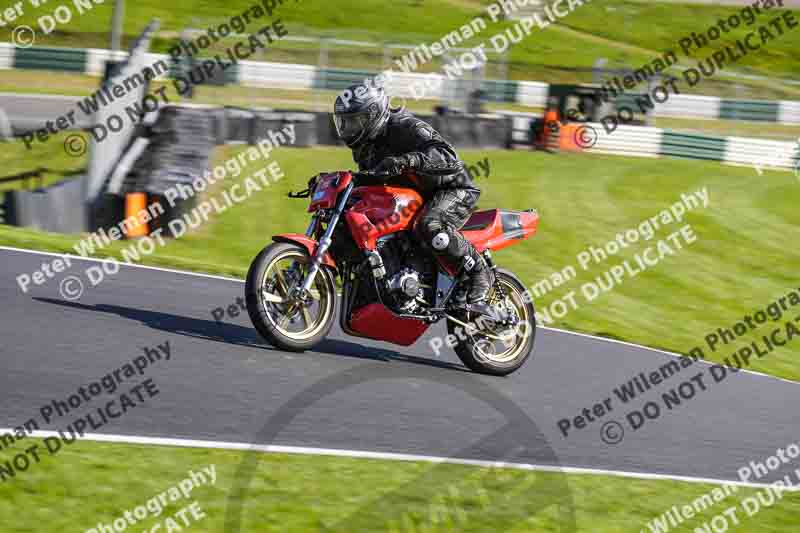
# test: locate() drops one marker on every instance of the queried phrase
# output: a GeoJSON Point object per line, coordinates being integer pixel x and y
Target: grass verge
{"type": "Point", "coordinates": [87, 483]}
{"type": "Point", "coordinates": [625, 33]}
{"type": "Point", "coordinates": [659, 26]}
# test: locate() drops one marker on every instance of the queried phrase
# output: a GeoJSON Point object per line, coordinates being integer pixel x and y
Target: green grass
{"type": "Point", "coordinates": [15, 159]}
{"type": "Point", "coordinates": [742, 260]}
{"type": "Point", "coordinates": [659, 26]}
{"type": "Point", "coordinates": [87, 483]}
{"type": "Point", "coordinates": [625, 33]}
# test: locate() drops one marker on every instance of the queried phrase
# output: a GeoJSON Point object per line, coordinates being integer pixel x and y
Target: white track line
{"type": "Point", "coordinates": [96, 260]}
{"type": "Point", "coordinates": [673, 354]}
{"type": "Point", "coordinates": [211, 276]}
{"type": "Point", "coordinates": [62, 97]}
{"type": "Point", "coordinates": [359, 454]}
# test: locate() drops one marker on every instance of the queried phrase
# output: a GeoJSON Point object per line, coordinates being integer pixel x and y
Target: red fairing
{"type": "Point", "coordinates": [327, 190]}
{"type": "Point", "coordinates": [496, 229]}
{"type": "Point", "coordinates": [381, 210]}
{"type": "Point", "coordinates": [375, 321]}
{"type": "Point", "coordinates": [309, 244]}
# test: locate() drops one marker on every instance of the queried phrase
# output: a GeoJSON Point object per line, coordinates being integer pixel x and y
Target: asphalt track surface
{"type": "Point", "coordinates": [224, 383]}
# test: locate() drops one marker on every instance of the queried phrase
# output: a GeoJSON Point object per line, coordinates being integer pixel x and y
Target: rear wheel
{"type": "Point", "coordinates": [277, 312]}
{"type": "Point", "coordinates": [493, 348]}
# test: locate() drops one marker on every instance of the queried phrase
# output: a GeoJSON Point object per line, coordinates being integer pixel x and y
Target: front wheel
{"type": "Point", "coordinates": [493, 349]}
{"type": "Point", "coordinates": [279, 315]}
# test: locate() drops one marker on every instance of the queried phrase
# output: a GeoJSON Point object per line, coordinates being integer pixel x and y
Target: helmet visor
{"type": "Point", "coordinates": [351, 126]}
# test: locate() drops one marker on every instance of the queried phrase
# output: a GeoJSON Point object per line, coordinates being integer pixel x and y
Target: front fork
{"type": "Point", "coordinates": [324, 242]}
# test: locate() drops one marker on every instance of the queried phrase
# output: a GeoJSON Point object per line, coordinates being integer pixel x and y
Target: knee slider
{"type": "Point", "coordinates": [440, 241]}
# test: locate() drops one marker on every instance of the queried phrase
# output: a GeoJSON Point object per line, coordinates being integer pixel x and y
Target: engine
{"type": "Point", "coordinates": [404, 288]}
{"type": "Point", "coordinates": [410, 274]}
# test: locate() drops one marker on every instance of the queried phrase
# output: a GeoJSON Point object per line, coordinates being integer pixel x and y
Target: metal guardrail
{"type": "Point", "coordinates": [26, 177]}
{"type": "Point", "coordinates": [37, 175]}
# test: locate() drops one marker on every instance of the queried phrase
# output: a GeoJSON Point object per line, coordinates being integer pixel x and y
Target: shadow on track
{"type": "Point", "coordinates": [245, 336]}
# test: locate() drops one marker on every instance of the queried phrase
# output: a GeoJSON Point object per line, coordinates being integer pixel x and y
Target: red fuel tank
{"type": "Point", "coordinates": [380, 210]}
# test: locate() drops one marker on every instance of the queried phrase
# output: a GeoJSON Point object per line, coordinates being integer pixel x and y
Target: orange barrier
{"type": "Point", "coordinates": [136, 202]}
{"type": "Point", "coordinates": [566, 140]}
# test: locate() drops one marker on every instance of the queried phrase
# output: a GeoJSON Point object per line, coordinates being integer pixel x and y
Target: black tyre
{"type": "Point", "coordinates": [496, 350]}
{"type": "Point", "coordinates": [282, 320]}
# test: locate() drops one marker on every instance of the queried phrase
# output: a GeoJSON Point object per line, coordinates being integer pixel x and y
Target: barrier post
{"type": "Point", "coordinates": [136, 202]}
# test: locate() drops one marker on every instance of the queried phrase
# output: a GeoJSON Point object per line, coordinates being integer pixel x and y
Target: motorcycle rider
{"type": "Point", "coordinates": [385, 139]}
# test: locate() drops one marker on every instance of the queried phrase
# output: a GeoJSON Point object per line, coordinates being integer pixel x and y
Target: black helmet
{"type": "Point", "coordinates": [360, 113]}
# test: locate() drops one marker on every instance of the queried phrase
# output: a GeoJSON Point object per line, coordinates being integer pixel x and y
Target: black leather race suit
{"type": "Point", "coordinates": [447, 189]}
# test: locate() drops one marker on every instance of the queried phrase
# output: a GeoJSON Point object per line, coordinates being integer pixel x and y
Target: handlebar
{"type": "Point", "coordinates": [365, 174]}
{"type": "Point", "coordinates": [308, 190]}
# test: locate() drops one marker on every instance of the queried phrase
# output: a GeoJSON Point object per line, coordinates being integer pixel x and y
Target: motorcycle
{"type": "Point", "coordinates": [392, 288]}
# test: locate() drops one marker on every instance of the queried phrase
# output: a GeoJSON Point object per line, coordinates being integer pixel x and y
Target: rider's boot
{"type": "Point", "coordinates": [481, 279]}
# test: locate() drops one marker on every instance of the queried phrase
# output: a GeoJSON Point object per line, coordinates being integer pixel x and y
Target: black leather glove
{"type": "Point", "coordinates": [393, 165]}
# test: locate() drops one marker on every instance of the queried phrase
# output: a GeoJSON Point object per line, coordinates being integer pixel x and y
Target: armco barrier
{"type": "Point", "coordinates": [266, 121]}
{"type": "Point", "coordinates": [64, 59]}
{"type": "Point", "coordinates": [326, 132]}
{"type": "Point", "coordinates": [277, 75]}
{"type": "Point", "coordinates": [6, 56]}
{"type": "Point", "coordinates": [60, 208]}
{"type": "Point", "coordinates": [427, 86]}
{"type": "Point", "coordinates": [474, 131]}
{"type": "Point", "coordinates": [464, 131]}
{"type": "Point", "coordinates": [762, 153]}
{"type": "Point", "coordinates": [532, 93]}
{"type": "Point", "coordinates": [690, 146]}
{"type": "Point", "coordinates": [500, 91]}
{"type": "Point", "coordinates": [339, 79]}
{"type": "Point", "coordinates": [695, 106]}
{"type": "Point", "coordinates": [521, 126]}
{"type": "Point", "coordinates": [96, 59]}
{"type": "Point", "coordinates": [411, 85]}
{"type": "Point", "coordinates": [632, 141]}
{"type": "Point", "coordinates": [749, 110]}
{"type": "Point", "coordinates": [637, 141]}
{"type": "Point", "coordinates": [239, 125]}
{"type": "Point", "coordinates": [790, 112]}
{"type": "Point", "coordinates": [152, 59]}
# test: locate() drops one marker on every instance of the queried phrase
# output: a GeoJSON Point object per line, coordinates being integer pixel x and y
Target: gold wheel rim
{"type": "Point", "coordinates": [277, 281]}
{"type": "Point", "coordinates": [515, 339]}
